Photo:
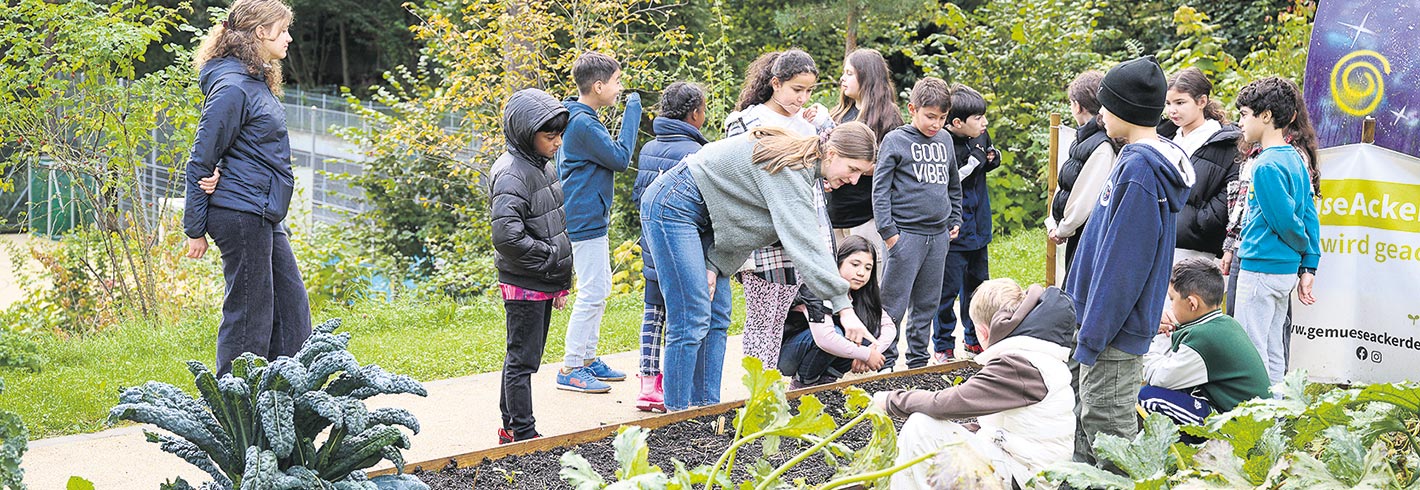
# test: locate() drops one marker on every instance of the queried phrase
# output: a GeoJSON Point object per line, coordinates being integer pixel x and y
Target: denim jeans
{"type": "Point", "coordinates": [265, 310]}
{"type": "Point", "coordinates": [802, 359]}
{"type": "Point", "coordinates": [1263, 300]}
{"type": "Point", "coordinates": [676, 225]}
{"type": "Point", "coordinates": [591, 259]}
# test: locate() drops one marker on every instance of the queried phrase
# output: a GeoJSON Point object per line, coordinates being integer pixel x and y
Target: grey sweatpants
{"type": "Point", "coordinates": [1107, 393]}
{"type": "Point", "coordinates": [1263, 300]}
{"type": "Point", "coordinates": [913, 277]}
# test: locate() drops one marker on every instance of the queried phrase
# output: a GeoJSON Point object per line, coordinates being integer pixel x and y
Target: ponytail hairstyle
{"type": "Point", "coordinates": [876, 92]}
{"type": "Point", "coordinates": [778, 149]}
{"type": "Point", "coordinates": [1289, 113]}
{"type": "Point", "coordinates": [867, 300]}
{"type": "Point", "coordinates": [768, 67]}
{"type": "Point", "coordinates": [237, 37]}
{"type": "Point", "coordinates": [1193, 82]}
{"type": "Point", "coordinates": [680, 100]}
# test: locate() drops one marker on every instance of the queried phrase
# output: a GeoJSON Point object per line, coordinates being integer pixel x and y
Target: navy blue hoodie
{"type": "Point", "coordinates": [242, 129]}
{"type": "Point", "coordinates": [589, 160]}
{"type": "Point", "coordinates": [1120, 275]}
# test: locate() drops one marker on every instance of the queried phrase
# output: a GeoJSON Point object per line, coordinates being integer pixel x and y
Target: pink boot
{"type": "Point", "coordinates": [653, 397]}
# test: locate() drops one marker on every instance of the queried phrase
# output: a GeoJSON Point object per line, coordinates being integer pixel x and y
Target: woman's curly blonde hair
{"type": "Point", "coordinates": [237, 37]}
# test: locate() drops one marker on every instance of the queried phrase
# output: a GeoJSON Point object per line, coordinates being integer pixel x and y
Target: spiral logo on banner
{"type": "Point", "coordinates": [1357, 84]}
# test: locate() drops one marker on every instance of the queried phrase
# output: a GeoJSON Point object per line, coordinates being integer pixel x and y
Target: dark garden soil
{"type": "Point", "coordinates": [693, 442]}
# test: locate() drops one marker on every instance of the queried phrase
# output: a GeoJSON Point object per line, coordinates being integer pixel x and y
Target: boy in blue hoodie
{"type": "Point", "coordinates": [588, 162]}
{"type": "Point", "coordinates": [1281, 233]}
{"type": "Point", "coordinates": [1120, 275]}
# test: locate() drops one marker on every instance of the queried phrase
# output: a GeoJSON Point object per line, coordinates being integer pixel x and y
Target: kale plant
{"type": "Point", "coordinates": [14, 440]}
{"type": "Point", "coordinates": [257, 427]}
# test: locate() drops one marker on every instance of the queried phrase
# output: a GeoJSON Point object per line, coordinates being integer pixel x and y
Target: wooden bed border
{"type": "Point", "coordinates": [585, 436]}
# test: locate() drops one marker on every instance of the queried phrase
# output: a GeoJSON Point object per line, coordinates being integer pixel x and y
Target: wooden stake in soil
{"type": "Point", "coordinates": [1050, 245]}
{"type": "Point", "coordinates": [1368, 130]}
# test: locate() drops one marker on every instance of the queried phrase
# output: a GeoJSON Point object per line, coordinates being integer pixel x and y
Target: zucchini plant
{"type": "Point", "coordinates": [260, 426]}
{"type": "Point", "coordinates": [765, 419]}
{"type": "Point", "coordinates": [1361, 437]}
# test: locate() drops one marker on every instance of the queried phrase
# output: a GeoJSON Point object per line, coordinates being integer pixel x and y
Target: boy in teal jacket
{"type": "Point", "coordinates": [1281, 233]}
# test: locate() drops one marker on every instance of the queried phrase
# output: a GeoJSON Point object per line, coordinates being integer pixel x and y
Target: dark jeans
{"type": "Point", "coordinates": [966, 269]}
{"type": "Point", "coordinates": [802, 359]}
{"type": "Point", "coordinates": [265, 310]}
{"type": "Point", "coordinates": [527, 335]}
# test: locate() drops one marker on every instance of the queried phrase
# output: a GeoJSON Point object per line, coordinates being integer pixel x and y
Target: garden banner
{"type": "Point", "coordinates": [1364, 60]}
{"type": "Point", "coordinates": [1365, 325]}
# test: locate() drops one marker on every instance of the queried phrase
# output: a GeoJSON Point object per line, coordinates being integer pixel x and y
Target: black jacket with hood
{"type": "Point", "coordinates": [242, 130]}
{"type": "Point", "coordinates": [1203, 221]}
{"type": "Point", "coordinates": [531, 247]}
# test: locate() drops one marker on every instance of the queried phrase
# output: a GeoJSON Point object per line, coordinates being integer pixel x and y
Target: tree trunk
{"type": "Point", "coordinates": [344, 57]}
{"type": "Point", "coordinates": [850, 40]}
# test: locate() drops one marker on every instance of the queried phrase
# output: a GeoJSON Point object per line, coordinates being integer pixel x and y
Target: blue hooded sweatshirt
{"type": "Point", "coordinates": [1120, 276]}
{"type": "Point", "coordinates": [589, 160]}
{"type": "Point", "coordinates": [242, 129]}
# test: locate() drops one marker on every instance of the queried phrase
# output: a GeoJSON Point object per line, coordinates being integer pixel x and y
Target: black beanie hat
{"type": "Point", "coordinates": [1135, 91]}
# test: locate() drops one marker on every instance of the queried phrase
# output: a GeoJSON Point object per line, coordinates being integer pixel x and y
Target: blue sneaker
{"type": "Point", "coordinates": [604, 372]}
{"type": "Point", "coordinates": [581, 380]}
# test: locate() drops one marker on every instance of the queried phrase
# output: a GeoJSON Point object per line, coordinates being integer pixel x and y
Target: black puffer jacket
{"type": "Point", "coordinates": [531, 248]}
{"type": "Point", "coordinates": [242, 129]}
{"type": "Point", "coordinates": [1203, 221]}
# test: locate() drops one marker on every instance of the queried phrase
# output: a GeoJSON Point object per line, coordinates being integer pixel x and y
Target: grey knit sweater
{"type": "Point", "coordinates": [751, 208]}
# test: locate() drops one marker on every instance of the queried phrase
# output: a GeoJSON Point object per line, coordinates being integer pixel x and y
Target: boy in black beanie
{"type": "Point", "coordinates": [1120, 275]}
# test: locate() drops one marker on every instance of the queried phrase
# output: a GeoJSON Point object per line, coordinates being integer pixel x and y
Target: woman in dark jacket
{"type": "Point", "coordinates": [242, 131]}
{"type": "Point", "coordinates": [1198, 125]}
{"type": "Point", "coordinates": [677, 128]}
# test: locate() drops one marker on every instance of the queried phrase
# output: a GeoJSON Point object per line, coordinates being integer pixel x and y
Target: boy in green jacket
{"type": "Point", "coordinates": [1204, 363]}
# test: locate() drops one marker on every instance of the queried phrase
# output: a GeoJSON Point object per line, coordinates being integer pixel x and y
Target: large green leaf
{"type": "Point", "coordinates": [579, 473]}
{"type": "Point", "coordinates": [632, 453]}
{"type": "Point", "coordinates": [1149, 455]}
{"type": "Point", "coordinates": [278, 413]}
{"type": "Point", "coordinates": [1080, 475]}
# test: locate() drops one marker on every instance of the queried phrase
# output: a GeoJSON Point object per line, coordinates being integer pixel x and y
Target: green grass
{"type": "Point", "coordinates": [82, 376]}
{"type": "Point", "coordinates": [1020, 256]}
{"type": "Point", "coordinates": [427, 339]}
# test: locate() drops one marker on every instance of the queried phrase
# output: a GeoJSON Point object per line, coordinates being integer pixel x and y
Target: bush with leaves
{"type": "Point", "coordinates": [766, 420]}
{"type": "Point", "coordinates": [258, 426]}
{"type": "Point", "coordinates": [1020, 56]}
{"type": "Point", "coordinates": [1344, 438]}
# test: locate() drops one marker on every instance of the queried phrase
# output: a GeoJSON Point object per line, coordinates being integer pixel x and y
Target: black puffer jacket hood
{"type": "Point", "coordinates": [530, 242]}
{"type": "Point", "coordinates": [528, 110]}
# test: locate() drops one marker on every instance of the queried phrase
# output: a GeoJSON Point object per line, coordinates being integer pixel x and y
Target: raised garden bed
{"type": "Point", "coordinates": [692, 437]}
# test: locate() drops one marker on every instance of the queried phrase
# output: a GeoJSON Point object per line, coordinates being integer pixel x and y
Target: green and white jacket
{"type": "Point", "coordinates": [1212, 355]}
